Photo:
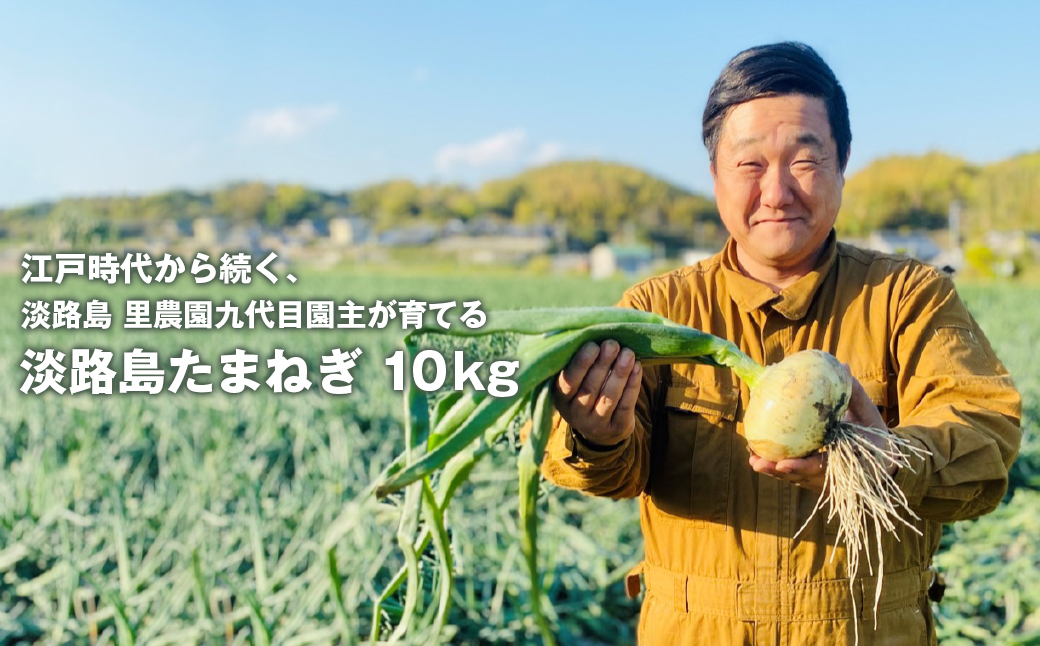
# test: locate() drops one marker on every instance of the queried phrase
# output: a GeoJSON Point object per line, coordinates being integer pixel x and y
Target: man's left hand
{"type": "Point", "coordinates": [811, 471]}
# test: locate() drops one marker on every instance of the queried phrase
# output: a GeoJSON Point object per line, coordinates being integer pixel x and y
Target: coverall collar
{"type": "Point", "coordinates": [793, 301]}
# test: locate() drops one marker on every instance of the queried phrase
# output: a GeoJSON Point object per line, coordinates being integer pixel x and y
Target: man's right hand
{"type": "Point", "coordinates": [596, 393]}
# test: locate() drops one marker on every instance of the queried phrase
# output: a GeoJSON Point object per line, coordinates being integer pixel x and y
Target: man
{"type": "Point", "coordinates": [721, 564]}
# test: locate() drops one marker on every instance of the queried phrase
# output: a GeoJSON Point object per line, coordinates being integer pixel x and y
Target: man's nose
{"type": "Point", "coordinates": [775, 187]}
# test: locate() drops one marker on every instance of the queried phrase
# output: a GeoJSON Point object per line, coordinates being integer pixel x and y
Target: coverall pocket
{"type": "Point", "coordinates": [690, 478]}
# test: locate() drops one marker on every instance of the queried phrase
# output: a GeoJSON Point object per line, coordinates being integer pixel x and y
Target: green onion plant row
{"type": "Point", "coordinates": [240, 519]}
{"type": "Point", "coordinates": [443, 447]}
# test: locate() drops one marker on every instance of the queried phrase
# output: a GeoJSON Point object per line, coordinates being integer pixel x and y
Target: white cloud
{"type": "Point", "coordinates": [548, 152]}
{"type": "Point", "coordinates": [502, 148]}
{"type": "Point", "coordinates": [287, 123]}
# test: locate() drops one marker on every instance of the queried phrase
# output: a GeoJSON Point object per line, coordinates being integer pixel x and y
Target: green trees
{"type": "Point", "coordinates": [592, 200]}
{"type": "Point", "coordinates": [244, 201]}
{"type": "Point", "coordinates": [597, 199]}
{"type": "Point", "coordinates": [911, 191]}
{"type": "Point", "coordinates": [289, 204]}
{"type": "Point", "coordinates": [1007, 195]}
{"type": "Point", "coordinates": [916, 191]}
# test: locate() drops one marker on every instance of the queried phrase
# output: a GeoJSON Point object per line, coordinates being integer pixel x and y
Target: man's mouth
{"type": "Point", "coordinates": [776, 220]}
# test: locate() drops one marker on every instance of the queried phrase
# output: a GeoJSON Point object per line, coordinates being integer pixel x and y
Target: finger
{"type": "Point", "coordinates": [627, 404]}
{"type": "Point", "coordinates": [762, 465]}
{"type": "Point", "coordinates": [571, 377]}
{"type": "Point", "coordinates": [809, 466]}
{"type": "Point", "coordinates": [592, 384]}
{"type": "Point", "coordinates": [614, 386]}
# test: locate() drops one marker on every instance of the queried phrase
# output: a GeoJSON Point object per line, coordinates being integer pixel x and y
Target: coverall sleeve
{"type": "Point", "coordinates": [619, 471]}
{"type": "Point", "coordinates": [956, 400]}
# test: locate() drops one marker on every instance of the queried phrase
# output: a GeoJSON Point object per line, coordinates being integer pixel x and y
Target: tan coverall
{"type": "Point", "coordinates": [721, 566]}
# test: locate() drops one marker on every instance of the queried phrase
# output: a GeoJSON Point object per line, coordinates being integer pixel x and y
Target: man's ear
{"type": "Point", "coordinates": [848, 154]}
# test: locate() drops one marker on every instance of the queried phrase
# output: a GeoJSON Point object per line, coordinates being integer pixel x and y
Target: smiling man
{"type": "Point", "coordinates": [778, 180]}
{"type": "Point", "coordinates": [722, 566]}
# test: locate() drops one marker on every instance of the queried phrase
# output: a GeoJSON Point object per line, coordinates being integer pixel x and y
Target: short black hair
{"type": "Point", "coordinates": [773, 70]}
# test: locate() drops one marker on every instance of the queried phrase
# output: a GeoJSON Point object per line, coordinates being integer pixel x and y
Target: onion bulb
{"type": "Point", "coordinates": [797, 408]}
{"type": "Point", "coordinates": [796, 402]}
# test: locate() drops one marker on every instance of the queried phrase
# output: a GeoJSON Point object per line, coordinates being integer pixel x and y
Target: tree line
{"type": "Point", "coordinates": [916, 192]}
{"type": "Point", "coordinates": [592, 200]}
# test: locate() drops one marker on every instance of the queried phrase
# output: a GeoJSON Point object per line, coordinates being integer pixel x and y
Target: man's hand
{"type": "Point", "coordinates": [810, 471]}
{"type": "Point", "coordinates": [596, 393]}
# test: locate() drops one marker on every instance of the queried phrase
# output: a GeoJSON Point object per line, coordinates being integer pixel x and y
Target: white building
{"type": "Point", "coordinates": [915, 245]}
{"type": "Point", "coordinates": [605, 260]}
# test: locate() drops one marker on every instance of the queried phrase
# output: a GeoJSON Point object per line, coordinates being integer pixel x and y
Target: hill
{"type": "Point", "coordinates": [916, 191]}
{"type": "Point", "coordinates": [598, 198]}
{"type": "Point", "coordinates": [592, 200]}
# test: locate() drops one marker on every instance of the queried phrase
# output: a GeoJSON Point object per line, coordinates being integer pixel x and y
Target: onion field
{"type": "Point", "coordinates": [235, 518]}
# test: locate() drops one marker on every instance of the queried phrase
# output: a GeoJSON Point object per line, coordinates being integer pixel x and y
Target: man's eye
{"type": "Point", "coordinates": [806, 161]}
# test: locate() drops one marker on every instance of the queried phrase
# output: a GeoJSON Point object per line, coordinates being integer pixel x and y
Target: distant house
{"type": "Point", "coordinates": [485, 225]}
{"type": "Point", "coordinates": [914, 245]}
{"type": "Point", "coordinates": [129, 230]}
{"type": "Point", "coordinates": [176, 229]}
{"type": "Point", "coordinates": [1009, 243]}
{"type": "Point", "coordinates": [1033, 241]}
{"type": "Point", "coordinates": [693, 256]}
{"type": "Point", "coordinates": [491, 249]}
{"type": "Point", "coordinates": [414, 236]}
{"type": "Point", "coordinates": [605, 260]}
{"type": "Point", "coordinates": [570, 262]}
{"type": "Point", "coordinates": [244, 238]}
{"type": "Point", "coordinates": [309, 230]}
{"type": "Point", "coordinates": [209, 232]}
{"type": "Point", "coordinates": [1014, 243]}
{"type": "Point", "coordinates": [493, 225]}
{"type": "Point", "coordinates": [950, 261]}
{"type": "Point", "coordinates": [489, 240]}
{"type": "Point", "coordinates": [347, 231]}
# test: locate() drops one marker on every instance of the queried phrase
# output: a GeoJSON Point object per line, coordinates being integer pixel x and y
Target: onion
{"type": "Point", "coordinates": [797, 408]}
{"type": "Point", "coordinates": [796, 402]}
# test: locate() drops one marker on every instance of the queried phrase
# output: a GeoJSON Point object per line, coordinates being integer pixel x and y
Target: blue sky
{"type": "Point", "coordinates": [108, 97]}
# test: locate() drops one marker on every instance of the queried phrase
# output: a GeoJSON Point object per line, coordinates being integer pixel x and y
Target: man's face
{"type": "Point", "coordinates": [778, 182]}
